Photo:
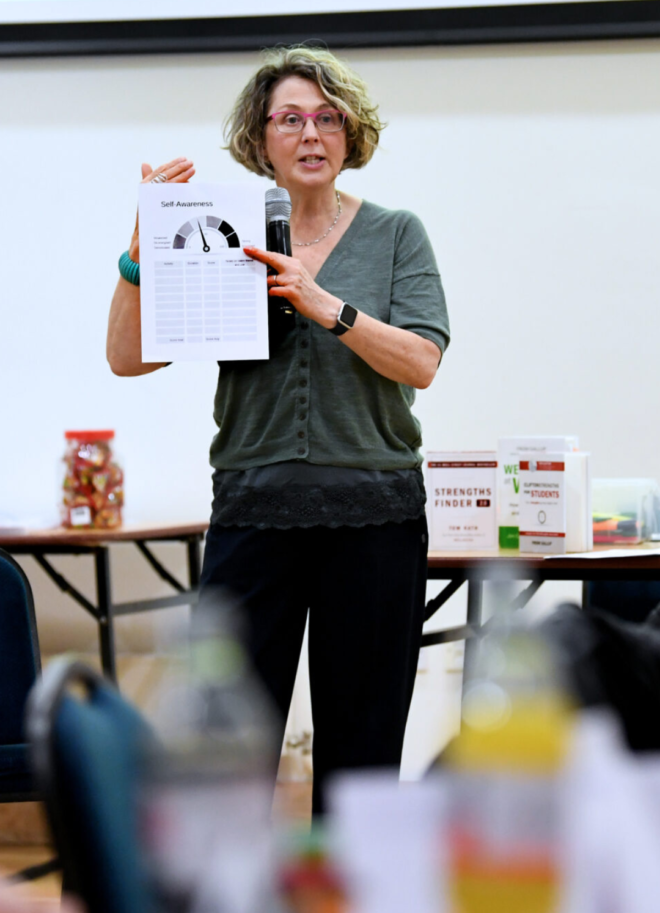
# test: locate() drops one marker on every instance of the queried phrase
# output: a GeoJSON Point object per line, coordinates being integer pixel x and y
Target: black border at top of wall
{"type": "Point", "coordinates": [392, 28]}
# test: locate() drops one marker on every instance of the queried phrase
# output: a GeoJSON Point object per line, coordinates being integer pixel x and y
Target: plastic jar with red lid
{"type": "Point", "coordinates": [93, 486]}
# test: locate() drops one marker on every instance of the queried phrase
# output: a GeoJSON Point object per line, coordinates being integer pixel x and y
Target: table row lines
{"type": "Point", "coordinates": [224, 337]}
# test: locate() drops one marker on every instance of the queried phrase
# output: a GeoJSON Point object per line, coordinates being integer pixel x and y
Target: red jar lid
{"type": "Point", "coordinates": [89, 435]}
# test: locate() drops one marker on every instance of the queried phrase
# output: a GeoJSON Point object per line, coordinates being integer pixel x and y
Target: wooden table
{"type": "Point", "coordinates": [96, 543]}
{"type": "Point", "coordinates": [459, 568]}
{"type": "Point", "coordinates": [475, 568]}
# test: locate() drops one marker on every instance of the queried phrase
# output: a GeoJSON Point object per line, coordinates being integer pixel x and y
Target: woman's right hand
{"type": "Point", "coordinates": [178, 171]}
{"type": "Point", "coordinates": [124, 343]}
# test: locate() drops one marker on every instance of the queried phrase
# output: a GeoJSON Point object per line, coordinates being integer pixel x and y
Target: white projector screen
{"type": "Point", "coordinates": [118, 10]}
{"type": "Point", "coordinates": [65, 27]}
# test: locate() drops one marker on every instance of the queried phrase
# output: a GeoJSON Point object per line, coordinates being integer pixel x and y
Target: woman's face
{"type": "Point", "coordinates": [308, 160]}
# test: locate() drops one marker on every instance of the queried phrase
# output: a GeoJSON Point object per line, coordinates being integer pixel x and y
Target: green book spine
{"type": "Point", "coordinates": [509, 537]}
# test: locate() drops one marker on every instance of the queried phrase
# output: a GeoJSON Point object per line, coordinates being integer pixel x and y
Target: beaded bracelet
{"type": "Point", "coordinates": [129, 269]}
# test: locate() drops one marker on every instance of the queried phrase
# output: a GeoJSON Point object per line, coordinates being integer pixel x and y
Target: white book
{"type": "Point", "coordinates": [510, 450]}
{"type": "Point", "coordinates": [579, 519]}
{"type": "Point", "coordinates": [555, 503]}
{"type": "Point", "coordinates": [462, 512]}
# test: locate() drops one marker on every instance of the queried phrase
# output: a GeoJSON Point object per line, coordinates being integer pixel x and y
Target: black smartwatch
{"type": "Point", "coordinates": [345, 319]}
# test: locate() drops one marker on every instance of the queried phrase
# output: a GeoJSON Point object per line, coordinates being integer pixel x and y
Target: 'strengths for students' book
{"type": "Point", "coordinates": [510, 451]}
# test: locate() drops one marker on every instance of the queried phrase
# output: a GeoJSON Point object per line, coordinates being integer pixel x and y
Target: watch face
{"type": "Point", "coordinates": [347, 315]}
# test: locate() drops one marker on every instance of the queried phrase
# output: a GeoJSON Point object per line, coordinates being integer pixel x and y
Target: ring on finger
{"type": "Point", "coordinates": [158, 178]}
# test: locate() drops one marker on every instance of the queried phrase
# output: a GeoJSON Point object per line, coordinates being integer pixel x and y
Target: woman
{"type": "Point", "coordinates": [318, 494]}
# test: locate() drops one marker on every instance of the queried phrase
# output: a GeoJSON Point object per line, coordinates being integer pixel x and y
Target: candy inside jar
{"type": "Point", "coordinates": [93, 486]}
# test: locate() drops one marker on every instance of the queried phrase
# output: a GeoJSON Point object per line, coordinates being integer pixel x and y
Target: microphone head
{"type": "Point", "coordinates": [278, 205]}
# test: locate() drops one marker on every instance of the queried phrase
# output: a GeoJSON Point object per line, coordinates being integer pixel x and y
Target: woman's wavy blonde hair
{"type": "Point", "coordinates": [340, 86]}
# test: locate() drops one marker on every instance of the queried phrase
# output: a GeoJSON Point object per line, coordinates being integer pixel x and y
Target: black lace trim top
{"type": "Point", "coordinates": [298, 494]}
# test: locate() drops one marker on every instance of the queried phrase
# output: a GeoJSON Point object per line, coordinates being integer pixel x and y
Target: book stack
{"type": "Point", "coordinates": [534, 494]}
{"type": "Point", "coordinates": [510, 451]}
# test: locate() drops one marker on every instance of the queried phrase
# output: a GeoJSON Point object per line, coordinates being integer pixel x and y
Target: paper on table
{"type": "Point", "coordinates": [11, 525]}
{"type": "Point", "coordinates": [201, 297]}
{"type": "Point", "coordinates": [611, 553]}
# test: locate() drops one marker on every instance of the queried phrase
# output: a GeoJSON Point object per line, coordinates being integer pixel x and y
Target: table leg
{"type": "Point", "coordinates": [106, 621]}
{"type": "Point", "coordinates": [474, 606]}
{"type": "Point", "coordinates": [194, 565]}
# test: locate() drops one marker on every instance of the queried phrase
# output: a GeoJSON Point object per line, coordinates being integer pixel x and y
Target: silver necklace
{"type": "Point", "coordinates": [309, 243]}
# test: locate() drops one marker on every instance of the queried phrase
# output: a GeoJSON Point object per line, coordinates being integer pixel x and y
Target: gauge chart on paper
{"type": "Point", "coordinates": [206, 234]}
{"type": "Point", "coordinates": [203, 297]}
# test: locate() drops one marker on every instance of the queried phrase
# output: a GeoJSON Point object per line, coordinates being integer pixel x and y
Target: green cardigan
{"type": "Point", "coordinates": [314, 399]}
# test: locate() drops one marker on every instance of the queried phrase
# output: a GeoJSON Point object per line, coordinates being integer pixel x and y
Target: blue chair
{"type": "Point", "coordinates": [87, 747]}
{"type": "Point", "coordinates": [20, 665]}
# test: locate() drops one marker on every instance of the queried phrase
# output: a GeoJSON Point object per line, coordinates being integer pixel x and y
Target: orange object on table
{"type": "Point", "coordinates": [93, 486]}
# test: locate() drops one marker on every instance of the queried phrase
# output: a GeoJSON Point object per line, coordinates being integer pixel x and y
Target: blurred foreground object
{"type": "Point", "coordinates": [93, 486]}
{"type": "Point", "coordinates": [308, 875]}
{"type": "Point", "coordinates": [387, 837]}
{"type": "Point", "coordinates": [538, 806]}
{"type": "Point", "coordinates": [11, 902]}
{"type": "Point", "coordinates": [504, 793]}
{"type": "Point", "coordinates": [87, 746]}
{"type": "Point", "coordinates": [207, 795]}
{"type": "Point", "coordinates": [614, 664]}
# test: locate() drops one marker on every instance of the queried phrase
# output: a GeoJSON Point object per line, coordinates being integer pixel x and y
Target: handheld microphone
{"type": "Point", "coordinates": [278, 214]}
{"type": "Point", "coordinates": [281, 313]}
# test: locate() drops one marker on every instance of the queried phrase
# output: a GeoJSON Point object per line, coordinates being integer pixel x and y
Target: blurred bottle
{"type": "Point", "coordinates": [308, 876]}
{"type": "Point", "coordinates": [208, 788]}
{"type": "Point", "coordinates": [505, 852]}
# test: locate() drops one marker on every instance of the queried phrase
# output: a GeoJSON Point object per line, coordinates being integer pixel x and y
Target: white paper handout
{"type": "Point", "coordinates": [201, 297]}
{"type": "Point", "coordinates": [615, 553]}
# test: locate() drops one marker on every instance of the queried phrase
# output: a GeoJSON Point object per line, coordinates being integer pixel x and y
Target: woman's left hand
{"type": "Point", "coordinates": [294, 283]}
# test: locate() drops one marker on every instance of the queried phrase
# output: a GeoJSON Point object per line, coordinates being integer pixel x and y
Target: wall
{"type": "Point", "coordinates": [533, 168]}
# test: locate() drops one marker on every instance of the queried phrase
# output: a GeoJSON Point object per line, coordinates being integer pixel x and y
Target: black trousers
{"type": "Point", "coordinates": [365, 590]}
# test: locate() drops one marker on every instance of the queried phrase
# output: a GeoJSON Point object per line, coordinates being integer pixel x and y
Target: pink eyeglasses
{"type": "Point", "coordinates": [294, 121]}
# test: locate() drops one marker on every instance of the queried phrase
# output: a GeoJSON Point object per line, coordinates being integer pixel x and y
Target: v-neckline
{"type": "Point", "coordinates": [341, 241]}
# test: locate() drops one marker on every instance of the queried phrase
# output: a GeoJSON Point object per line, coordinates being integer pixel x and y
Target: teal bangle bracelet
{"type": "Point", "coordinates": [129, 269]}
